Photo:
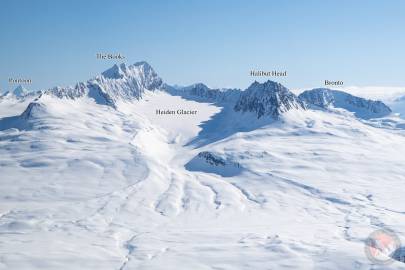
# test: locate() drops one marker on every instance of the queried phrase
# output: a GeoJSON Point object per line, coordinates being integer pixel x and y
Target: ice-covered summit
{"type": "Point", "coordinates": [268, 99]}
{"type": "Point", "coordinates": [361, 107]}
{"type": "Point", "coordinates": [128, 82]}
{"type": "Point", "coordinates": [141, 72]}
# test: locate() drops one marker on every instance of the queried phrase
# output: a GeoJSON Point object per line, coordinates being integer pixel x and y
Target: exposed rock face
{"type": "Point", "coordinates": [268, 99]}
{"type": "Point", "coordinates": [212, 159]}
{"type": "Point", "coordinates": [211, 162]}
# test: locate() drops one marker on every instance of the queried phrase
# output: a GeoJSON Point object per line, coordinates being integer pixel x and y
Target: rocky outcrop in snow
{"type": "Point", "coordinates": [361, 107]}
{"type": "Point", "coordinates": [214, 163]}
{"type": "Point", "coordinates": [268, 99]}
{"type": "Point", "coordinates": [212, 159]}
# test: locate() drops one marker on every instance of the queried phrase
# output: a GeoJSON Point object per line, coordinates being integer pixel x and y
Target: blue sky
{"type": "Point", "coordinates": [215, 42]}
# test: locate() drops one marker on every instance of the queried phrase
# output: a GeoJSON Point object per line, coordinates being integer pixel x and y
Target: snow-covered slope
{"type": "Point", "coordinates": [266, 185]}
{"type": "Point", "coordinates": [327, 98]}
{"type": "Point", "coordinates": [268, 99]}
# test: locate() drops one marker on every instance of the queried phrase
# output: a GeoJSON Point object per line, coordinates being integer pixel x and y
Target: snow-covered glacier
{"type": "Point", "coordinates": [92, 178]}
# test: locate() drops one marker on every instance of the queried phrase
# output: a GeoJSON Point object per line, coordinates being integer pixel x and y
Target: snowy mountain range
{"type": "Point", "coordinates": [126, 83]}
{"type": "Point", "coordinates": [328, 98]}
{"type": "Point", "coordinates": [92, 177]}
{"type": "Point", "coordinates": [18, 93]}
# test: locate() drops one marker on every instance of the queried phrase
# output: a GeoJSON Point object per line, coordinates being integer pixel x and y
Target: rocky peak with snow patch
{"type": "Point", "coordinates": [128, 82]}
{"type": "Point", "coordinates": [20, 91]}
{"type": "Point", "coordinates": [268, 99]}
{"type": "Point", "coordinates": [140, 73]}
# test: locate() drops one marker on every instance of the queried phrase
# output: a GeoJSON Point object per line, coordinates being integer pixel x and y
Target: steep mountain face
{"type": "Point", "coordinates": [363, 108]}
{"type": "Point", "coordinates": [121, 82]}
{"type": "Point", "coordinates": [20, 91]}
{"type": "Point", "coordinates": [201, 92]}
{"type": "Point", "coordinates": [128, 82]}
{"type": "Point", "coordinates": [268, 99]}
{"type": "Point", "coordinates": [34, 109]}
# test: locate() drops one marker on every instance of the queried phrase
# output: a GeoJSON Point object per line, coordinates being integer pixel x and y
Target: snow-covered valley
{"type": "Point", "coordinates": [92, 177]}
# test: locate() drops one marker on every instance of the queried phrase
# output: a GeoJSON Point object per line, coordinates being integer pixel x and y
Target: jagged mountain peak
{"type": "Point", "coordinates": [126, 82]}
{"type": "Point", "coordinates": [119, 71]}
{"type": "Point", "coordinates": [140, 76]}
{"type": "Point", "coordinates": [20, 91]}
{"type": "Point", "coordinates": [328, 98]}
{"type": "Point", "coordinates": [269, 84]}
{"type": "Point", "coordinates": [120, 82]}
{"type": "Point", "coordinates": [115, 72]}
{"type": "Point", "coordinates": [143, 64]}
{"type": "Point", "coordinates": [268, 98]}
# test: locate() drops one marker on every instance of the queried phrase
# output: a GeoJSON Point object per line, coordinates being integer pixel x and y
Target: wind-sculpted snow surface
{"type": "Point", "coordinates": [263, 185]}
